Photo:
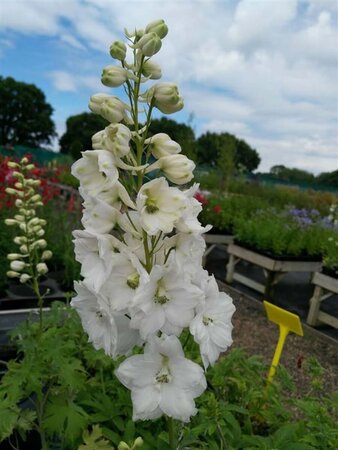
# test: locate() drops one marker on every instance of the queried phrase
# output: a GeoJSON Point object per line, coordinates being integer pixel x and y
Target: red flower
{"type": "Point", "coordinates": [217, 209]}
{"type": "Point", "coordinates": [200, 197]}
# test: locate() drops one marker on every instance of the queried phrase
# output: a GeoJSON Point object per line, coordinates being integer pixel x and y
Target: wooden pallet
{"type": "Point", "coordinates": [215, 240]}
{"type": "Point", "coordinates": [273, 269]}
{"type": "Point", "coordinates": [325, 287]}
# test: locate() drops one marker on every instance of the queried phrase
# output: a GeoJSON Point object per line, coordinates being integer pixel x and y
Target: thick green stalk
{"type": "Point", "coordinates": [172, 434]}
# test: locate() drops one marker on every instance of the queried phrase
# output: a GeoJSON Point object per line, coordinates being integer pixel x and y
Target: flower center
{"type": "Point", "coordinates": [99, 314]}
{"type": "Point", "coordinates": [133, 280]}
{"type": "Point", "coordinates": [164, 375]}
{"type": "Point", "coordinates": [206, 320]}
{"type": "Point", "coordinates": [160, 296]}
{"type": "Point", "coordinates": [151, 206]}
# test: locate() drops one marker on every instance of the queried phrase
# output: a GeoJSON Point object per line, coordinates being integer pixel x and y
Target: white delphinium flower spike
{"type": "Point", "coordinates": [162, 380]}
{"type": "Point", "coordinates": [212, 326]}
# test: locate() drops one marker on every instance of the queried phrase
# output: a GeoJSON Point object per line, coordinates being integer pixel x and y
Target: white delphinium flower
{"type": "Point", "coordinates": [114, 194]}
{"type": "Point", "coordinates": [96, 254]}
{"type": "Point", "coordinates": [162, 380]}
{"type": "Point", "coordinates": [165, 303]}
{"type": "Point", "coordinates": [115, 138]}
{"type": "Point", "coordinates": [121, 285]}
{"type": "Point", "coordinates": [188, 222]}
{"type": "Point", "coordinates": [109, 107]}
{"type": "Point", "coordinates": [98, 216]}
{"type": "Point", "coordinates": [212, 326]}
{"type": "Point", "coordinates": [160, 206]}
{"type": "Point", "coordinates": [113, 76]}
{"type": "Point", "coordinates": [95, 170]}
{"type": "Point", "coordinates": [151, 70]}
{"type": "Point", "coordinates": [105, 330]}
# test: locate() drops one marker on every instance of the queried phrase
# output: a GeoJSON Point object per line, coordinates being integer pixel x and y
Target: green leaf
{"type": "Point", "coordinates": [64, 418]}
{"type": "Point", "coordinates": [8, 420]}
{"type": "Point", "coordinates": [95, 440]}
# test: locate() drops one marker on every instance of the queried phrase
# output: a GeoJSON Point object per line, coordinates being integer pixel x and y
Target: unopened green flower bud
{"type": "Point", "coordinates": [18, 175]}
{"type": "Point", "coordinates": [118, 50]}
{"type": "Point", "coordinates": [10, 222]}
{"type": "Point", "coordinates": [149, 44]}
{"type": "Point", "coordinates": [24, 160]}
{"type": "Point", "coordinates": [24, 249]}
{"type": "Point", "coordinates": [40, 232]}
{"type": "Point", "coordinates": [42, 222]}
{"type": "Point", "coordinates": [30, 167]}
{"type": "Point", "coordinates": [12, 274]}
{"type": "Point", "coordinates": [138, 443]}
{"type": "Point", "coordinates": [47, 254]}
{"type": "Point", "coordinates": [19, 217]}
{"type": "Point", "coordinates": [34, 221]}
{"type": "Point", "coordinates": [12, 165]}
{"type": "Point", "coordinates": [18, 185]}
{"type": "Point", "coordinates": [42, 268]}
{"type": "Point", "coordinates": [108, 106]}
{"type": "Point", "coordinates": [18, 203]}
{"type": "Point", "coordinates": [123, 446]}
{"type": "Point", "coordinates": [157, 26]}
{"type": "Point", "coordinates": [17, 265]}
{"type": "Point", "coordinates": [24, 278]}
{"type": "Point", "coordinates": [114, 76]}
{"type": "Point", "coordinates": [151, 70]}
{"type": "Point", "coordinates": [23, 226]}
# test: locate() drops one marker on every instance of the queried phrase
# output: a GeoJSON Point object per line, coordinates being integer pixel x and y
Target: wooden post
{"type": "Point", "coordinates": [312, 318]}
{"type": "Point", "coordinates": [230, 269]}
{"type": "Point", "coordinates": [269, 284]}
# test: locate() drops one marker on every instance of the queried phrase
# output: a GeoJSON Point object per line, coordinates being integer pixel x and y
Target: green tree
{"type": "Point", "coordinates": [209, 146]}
{"type": "Point", "coordinates": [292, 174]}
{"type": "Point", "coordinates": [226, 162]}
{"type": "Point", "coordinates": [179, 132]}
{"type": "Point", "coordinates": [79, 131]}
{"type": "Point", "coordinates": [328, 178]}
{"type": "Point", "coordinates": [25, 116]}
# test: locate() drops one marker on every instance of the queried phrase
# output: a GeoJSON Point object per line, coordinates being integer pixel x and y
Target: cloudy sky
{"type": "Point", "coordinates": [265, 70]}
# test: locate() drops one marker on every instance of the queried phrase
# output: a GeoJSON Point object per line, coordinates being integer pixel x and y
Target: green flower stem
{"type": "Point", "coordinates": [172, 434]}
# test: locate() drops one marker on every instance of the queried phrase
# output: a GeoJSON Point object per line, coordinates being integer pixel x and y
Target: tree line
{"type": "Point", "coordinates": [26, 119]}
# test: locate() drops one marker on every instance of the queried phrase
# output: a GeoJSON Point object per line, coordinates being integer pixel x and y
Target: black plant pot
{"type": "Point", "coordinates": [32, 442]}
{"type": "Point", "coordinates": [330, 272]}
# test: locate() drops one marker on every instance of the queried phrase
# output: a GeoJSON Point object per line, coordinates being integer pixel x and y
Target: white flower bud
{"type": "Point", "coordinates": [149, 44]}
{"type": "Point", "coordinates": [24, 160]}
{"type": "Point", "coordinates": [47, 254]}
{"type": "Point", "coordinates": [138, 443]}
{"type": "Point", "coordinates": [40, 232]}
{"type": "Point", "coordinates": [108, 106]}
{"type": "Point", "coordinates": [152, 70]}
{"type": "Point", "coordinates": [18, 185]}
{"type": "Point", "coordinates": [165, 97]}
{"type": "Point", "coordinates": [118, 50]}
{"type": "Point", "coordinates": [17, 265]}
{"type": "Point", "coordinates": [114, 76]}
{"type": "Point", "coordinates": [177, 168]}
{"type": "Point", "coordinates": [42, 222]}
{"type": "Point", "coordinates": [19, 218]}
{"type": "Point", "coordinates": [35, 198]}
{"type": "Point", "coordinates": [12, 165]}
{"type": "Point", "coordinates": [11, 191]}
{"type": "Point", "coordinates": [161, 145]}
{"type": "Point", "coordinates": [42, 268]}
{"type": "Point", "coordinates": [24, 249]}
{"type": "Point", "coordinates": [24, 278]}
{"type": "Point", "coordinates": [157, 26]}
{"type": "Point", "coordinates": [12, 274]}
{"type": "Point", "coordinates": [18, 203]}
{"type": "Point", "coordinates": [11, 222]}
{"type": "Point", "coordinates": [23, 226]}
{"type": "Point", "coordinates": [30, 167]}
{"type": "Point", "coordinates": [41, 243]}
{"type": "Point", "coordinates": [14, 256]}
{"type": "Point", "coordinates": [20, 240]}
{"type": "Point", "coordinates": [123, 446]}
{"type": "Point", "coordinates": [34, 221]}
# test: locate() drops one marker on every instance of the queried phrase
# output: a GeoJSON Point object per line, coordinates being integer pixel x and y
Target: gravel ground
{"type": "Point", "coordinates": [254, 333]}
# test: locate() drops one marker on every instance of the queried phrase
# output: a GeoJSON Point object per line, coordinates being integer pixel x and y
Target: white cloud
{"type": "Point", "coordinates": [264, 70]}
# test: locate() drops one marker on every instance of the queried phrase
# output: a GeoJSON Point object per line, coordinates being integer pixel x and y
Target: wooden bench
{"type": "Point", "coordinates": [273, 269]}
{"type": "Point", "coordinates": [325, 287]}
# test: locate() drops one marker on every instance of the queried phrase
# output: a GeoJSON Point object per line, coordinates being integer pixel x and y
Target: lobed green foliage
{"type": "Point", "coordinates": [66, 390]}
